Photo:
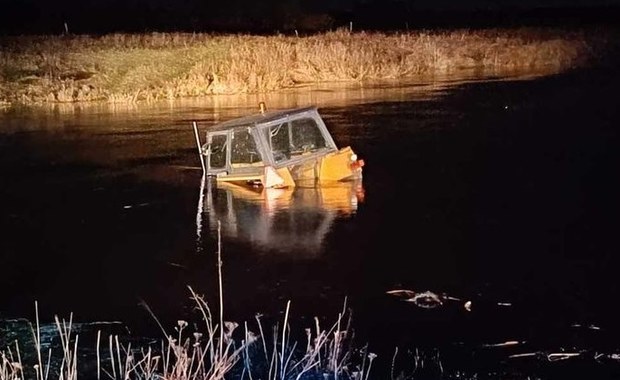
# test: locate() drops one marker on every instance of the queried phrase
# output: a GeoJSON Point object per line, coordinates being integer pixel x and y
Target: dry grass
{"type": "Point", "coordinates": [210, 354]}
{"type": "Point", "coordinates": [199, 355]}
{"type": "Point", "coordinates": [129, 68]}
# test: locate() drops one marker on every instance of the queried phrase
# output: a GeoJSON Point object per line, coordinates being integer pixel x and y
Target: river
{"type": "Point", "coordinates": [498, 195]}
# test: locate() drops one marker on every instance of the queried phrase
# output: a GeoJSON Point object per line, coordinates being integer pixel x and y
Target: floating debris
{"type": "Point", "coordinates": [504, 344]}
{"type": "Point", "coordinates": [402, 293]}
{"type": "Point", "coordinates": [425, 300]}
{"type": "Point", "coordinates": [524, 355]}
{"type": "Point", "coordinates": [136, 205]}
{"type": "Point", "coordinates": [589, 327]}
{"type": "Point", "coordinates": [467, 305]}
{"type": "Point", "coordinates": [430, 300]}
{"type": "Point", "coordinates": [551, 357]}
{"type": "Point", "coordinates": [562, 356]}
{"type": "Point", "coordinates": [614, 356]}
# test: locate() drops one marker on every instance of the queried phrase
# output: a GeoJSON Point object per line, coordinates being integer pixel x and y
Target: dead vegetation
{"type": "Point", "coordinates": [210, 352]}
{"type": "Point", "coordinates": [130, 68]}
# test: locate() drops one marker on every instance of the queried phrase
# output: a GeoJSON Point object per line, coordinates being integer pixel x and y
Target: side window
{"type": "Point", "coordinates": [280, 142]}
{"type": "Point", "coordinates": [217, 157]}
{"type": "Point", "coordinates": [306, 136]}
{"type": "Point", "coordinates": [243, 148]}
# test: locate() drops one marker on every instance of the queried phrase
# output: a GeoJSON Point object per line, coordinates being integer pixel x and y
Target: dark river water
{"type": "Point", "coordinates": [502, 193]}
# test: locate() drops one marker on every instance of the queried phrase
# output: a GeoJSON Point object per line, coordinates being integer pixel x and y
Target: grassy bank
{"type": "Point", "coordinates": [208, 347]}
{"type": "Point", "coordinates": [214, 349]}
{"type": "Point", "coordinates": [129, 68]}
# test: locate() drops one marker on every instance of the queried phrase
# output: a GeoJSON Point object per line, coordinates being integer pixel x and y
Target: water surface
{"type": "Point", "coordinates": [498, 192]}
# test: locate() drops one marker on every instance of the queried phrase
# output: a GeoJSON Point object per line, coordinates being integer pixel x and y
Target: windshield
{"type": "Point", "coordinates": [294, 138]}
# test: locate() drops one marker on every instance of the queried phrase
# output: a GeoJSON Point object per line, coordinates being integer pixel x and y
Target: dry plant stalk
{"type": "Point", "coordinates": [11, 367]}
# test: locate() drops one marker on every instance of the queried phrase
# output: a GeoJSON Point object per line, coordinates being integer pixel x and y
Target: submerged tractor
{"type": "Point", "coordinates": [277, 149]}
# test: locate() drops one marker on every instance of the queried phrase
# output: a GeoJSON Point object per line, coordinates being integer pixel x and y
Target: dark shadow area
{"type": "Point", "coordinates": [236, 16]}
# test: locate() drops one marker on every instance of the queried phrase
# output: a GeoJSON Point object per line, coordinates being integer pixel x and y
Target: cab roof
{"type": "Point", "coordinates": [260, 118]}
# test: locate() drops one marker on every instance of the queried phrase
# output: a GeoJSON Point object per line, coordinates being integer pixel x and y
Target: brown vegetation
{"type": "Point", "coordinates": [128, 68]}
{"type": "Point", "coordinates": [209, 353]}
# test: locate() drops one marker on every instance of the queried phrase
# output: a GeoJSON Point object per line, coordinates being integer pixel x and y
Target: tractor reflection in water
{"type": "Point", "coordinates": [292, 220]}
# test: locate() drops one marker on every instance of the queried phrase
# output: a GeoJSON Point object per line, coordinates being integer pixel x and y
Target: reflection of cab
{"type": "Point", "coordinates": [292, 220]}
{"type": "Point", "coordinates": [341, 197]}
{"type": "Point", "coordinates": [278, 149]}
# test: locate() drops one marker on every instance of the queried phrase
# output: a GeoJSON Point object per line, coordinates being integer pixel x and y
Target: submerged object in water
{"type": "Point", "coordinates": [277, 149]}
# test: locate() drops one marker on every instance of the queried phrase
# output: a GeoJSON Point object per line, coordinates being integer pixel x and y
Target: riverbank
{"type": "Point", "coordinates": [143, 67]}
{"type": "Point", "coordinates": [206, 348]}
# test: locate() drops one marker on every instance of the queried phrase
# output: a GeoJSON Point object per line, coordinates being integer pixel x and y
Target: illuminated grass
{"type": "Point", "coordinates": [208, 352]}
{"type": "Point", "coordinates": [129, 68]}
{"type": "Point", "coordinates": [201, 352]}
